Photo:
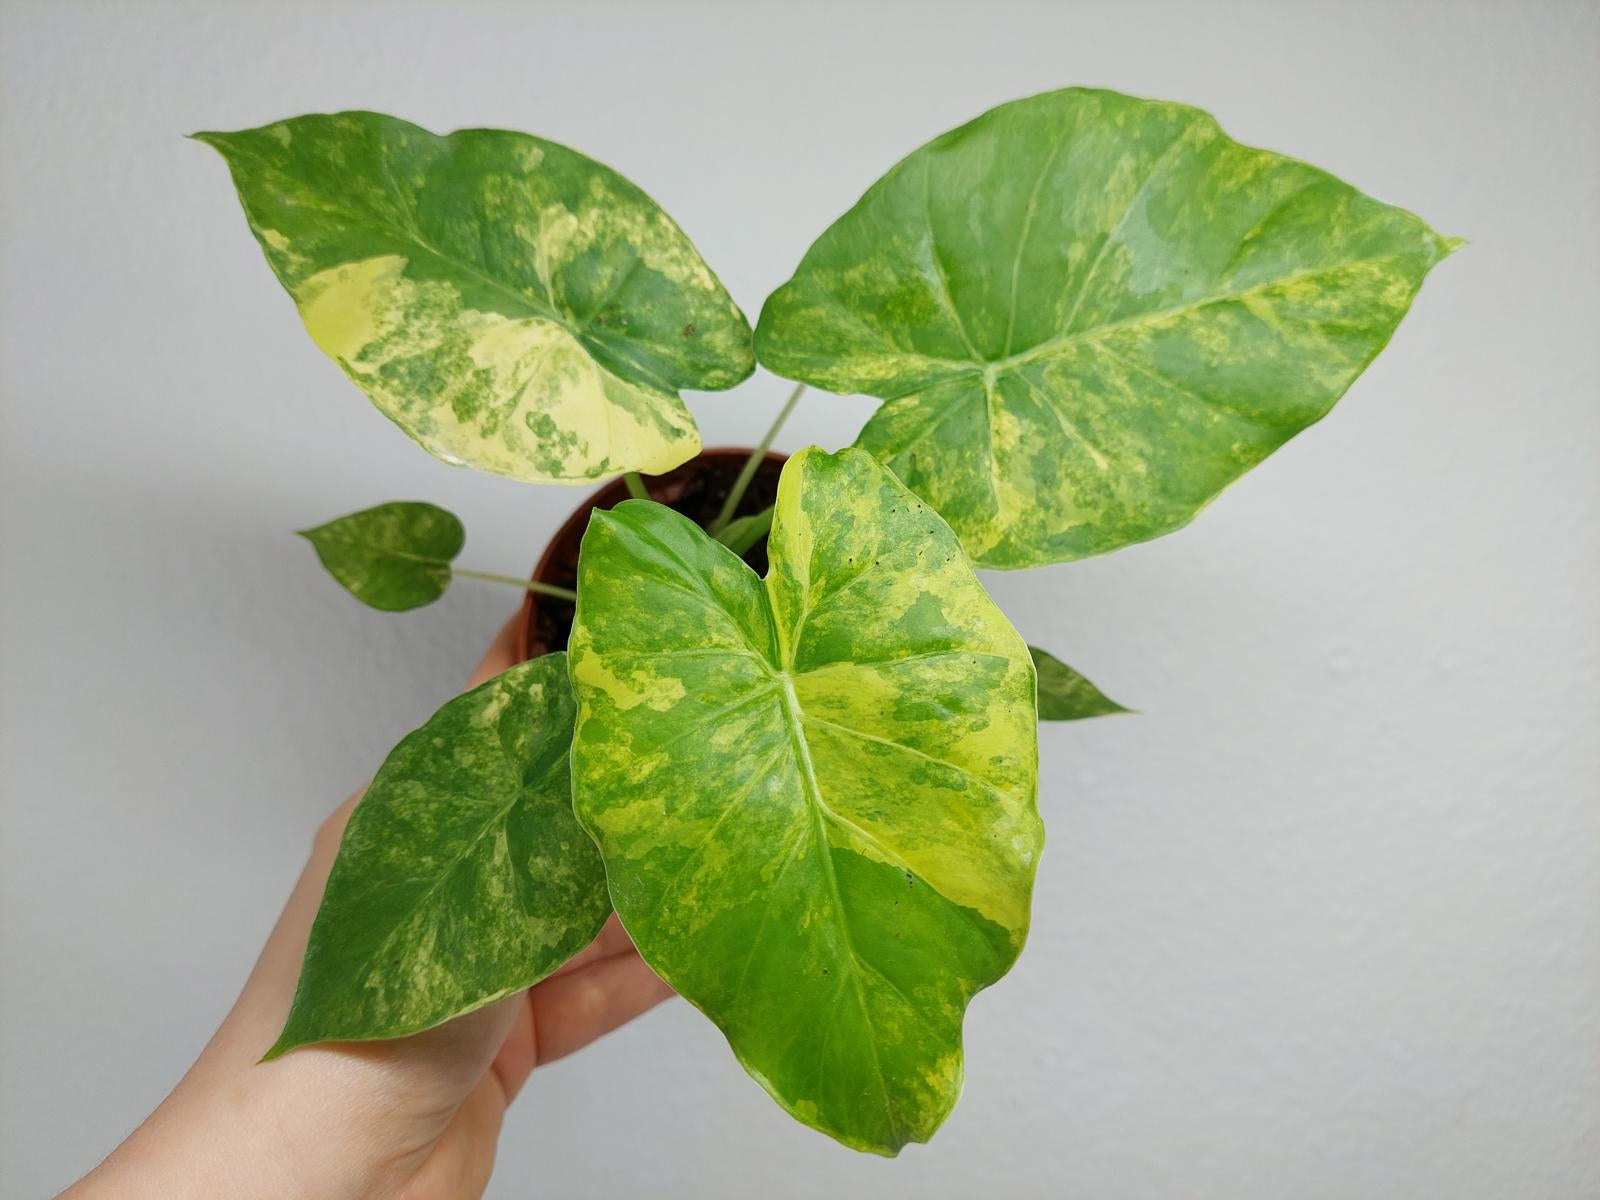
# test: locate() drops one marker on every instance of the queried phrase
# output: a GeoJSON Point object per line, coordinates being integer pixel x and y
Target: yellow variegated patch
{"type": "Point", "coordinates": [1088, 314]}
{"type": "Point", "coordinates": [814, 794]}
{"type": "Point", "coordinates": [509, 303]}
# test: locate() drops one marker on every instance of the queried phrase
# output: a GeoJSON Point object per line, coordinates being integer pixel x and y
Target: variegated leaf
{"type": "Point", "coordinates": [462, 877]}
{"type": "Point", "coordinates": [815, 795]}
{"type": "Point", "coordinates": [509, 303]}
{"type": "Point", "coordinates": [1089, 313]}
{"type": "Point", "coordinates": [1064, 694]}
{"type": "Point", "coordinates": [394, 556]}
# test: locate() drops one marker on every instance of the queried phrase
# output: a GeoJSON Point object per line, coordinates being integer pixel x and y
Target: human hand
{"type": "Point", "coordinates": [416, 1117]}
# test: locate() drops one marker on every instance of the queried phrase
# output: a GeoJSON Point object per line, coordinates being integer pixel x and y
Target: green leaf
{"type": "Point", "coordinates": [741, 533]}
{"type": "Point", "coordinates": [815, 794]}
{"type": "Point", "coordinates": [509, 303]}
{"type": "Point", "coordinates": [462, 877]}
{"type": "Point", "coordinates": [1065, 695]}
{"type": "Point", "coordinates": [1090, 313]}
{"type": "Point", "coordinates": [395, 556]}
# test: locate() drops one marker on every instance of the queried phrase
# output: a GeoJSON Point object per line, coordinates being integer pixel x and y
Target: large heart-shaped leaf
{"type": "Point", "coordinates": [394, 556]}
{"type": "Point", "coordinates": [815, 795]}
{"type": "Point", "coordinates": [509, 303]}
{"type": "Point", "coordinates": [463, 875]}
{"type": "Point", "coordinates": [1089, 313]}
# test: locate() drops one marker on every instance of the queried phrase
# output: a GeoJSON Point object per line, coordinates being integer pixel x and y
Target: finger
{"type": "Point", "coordinates": [570, 1011]}
{"type": "Point", "coordinates": [612, 939]}
{"type": "Point", "coordinates": [501, 655]}
{"type": "Point", "coordinates": [460, 1161]}
{"type": "Point", "coordinates": [520, 1052]}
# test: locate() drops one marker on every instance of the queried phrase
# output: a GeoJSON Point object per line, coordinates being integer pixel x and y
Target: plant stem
{"type": "Point", "coordinates": [748, 472]}
{"type": "Point", "coordinates": [740, 535]}
{"type": "Point", "coordinates": [636, 487]}
{"type": "Point", "coordinates": [527, 585]}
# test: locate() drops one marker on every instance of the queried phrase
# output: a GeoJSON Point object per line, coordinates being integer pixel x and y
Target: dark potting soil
{"type": "Point", "coordinates": [697, 490]}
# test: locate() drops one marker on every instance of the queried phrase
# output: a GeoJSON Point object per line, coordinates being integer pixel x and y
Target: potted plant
{"type": "Point", "coordinates": [809, 795]}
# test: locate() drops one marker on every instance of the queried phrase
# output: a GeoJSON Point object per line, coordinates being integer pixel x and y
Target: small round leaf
{"type": "Point", "coordinates": [392, 557]}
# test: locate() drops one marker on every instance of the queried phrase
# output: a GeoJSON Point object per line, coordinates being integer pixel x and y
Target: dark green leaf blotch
{"type": "Point", "coordinates": [1065, 695]}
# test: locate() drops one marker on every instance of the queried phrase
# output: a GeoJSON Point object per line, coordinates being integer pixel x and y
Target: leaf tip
{"type": "Point", "coordinates": [285, 1043]}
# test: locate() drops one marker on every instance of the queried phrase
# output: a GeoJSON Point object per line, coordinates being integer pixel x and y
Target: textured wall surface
{"type": "Point", "coordinates": [1321, 923]}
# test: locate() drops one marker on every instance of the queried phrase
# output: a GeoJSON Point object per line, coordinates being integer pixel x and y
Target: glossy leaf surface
{"type": "Point", "coordinates": [1064, 694]}
{"type": "Point", "coordinates": [1089, 313]}
{"type": "Point", "coordinates": [511, 304]}
{"type": "Point", "coordinates": [463, 875]}
{"type": "Point", "coordinates": [815, 794]}
{"type": "Point", "coordinates": [393, 557]}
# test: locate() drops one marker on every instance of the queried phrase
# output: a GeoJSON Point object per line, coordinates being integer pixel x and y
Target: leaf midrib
{"type": "Point", "coordinates": [793, 722]}
{"type": "Point", "coordinates": [404, 555]}
{"type": "Point", "coordinates": [493, 825]}
{"type": "Point", "coordinates": [1051, 347]}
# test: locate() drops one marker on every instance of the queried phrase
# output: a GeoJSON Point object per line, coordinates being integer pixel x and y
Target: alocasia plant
{"type": "Point", "coordinates": [810, 797]}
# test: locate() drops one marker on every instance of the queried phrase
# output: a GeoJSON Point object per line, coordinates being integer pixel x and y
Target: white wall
{"type": "Point", "coordinates": [1320, 923]}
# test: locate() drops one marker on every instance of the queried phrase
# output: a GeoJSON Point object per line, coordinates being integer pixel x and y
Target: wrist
{"type": "Point", "coordinates": [257, 1135]}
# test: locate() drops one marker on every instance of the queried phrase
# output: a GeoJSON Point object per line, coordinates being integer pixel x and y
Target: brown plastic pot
{"type": "Point", "coordinates": [697, 489]}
